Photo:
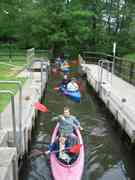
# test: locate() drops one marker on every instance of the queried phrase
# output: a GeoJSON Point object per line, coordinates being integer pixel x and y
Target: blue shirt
{"type": "Point", "coordinates": [67, 125]}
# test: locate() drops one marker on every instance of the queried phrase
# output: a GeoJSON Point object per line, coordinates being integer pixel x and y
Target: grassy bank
{"type": "Point", "coordinates": [130, 57]}
{"type": "Point", "coordinates": [8, 71]}
{"type": "Point", "coordinates": [16, 60]}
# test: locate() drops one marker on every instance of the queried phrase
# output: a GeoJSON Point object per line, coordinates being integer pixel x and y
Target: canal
{"type": "Point", "coordinates": [106, 157]}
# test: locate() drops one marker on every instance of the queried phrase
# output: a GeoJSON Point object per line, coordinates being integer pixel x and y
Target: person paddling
{"type": "Point", "coordinates": [67, 123]}
{"type": "Point", "coordinates": [65, 81]}
{"type": "Point", "coordinates": [60, 147]}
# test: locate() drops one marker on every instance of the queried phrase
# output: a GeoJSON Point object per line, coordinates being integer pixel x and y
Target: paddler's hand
{"type": "Point", "coordinates": [81, 128]}
{"type": "Point", "coordinates": [47, 152]}
{"type": "Point", "coordinates": [62, 117]}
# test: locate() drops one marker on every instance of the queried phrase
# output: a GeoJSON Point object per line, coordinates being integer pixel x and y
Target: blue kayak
{"type": "Point", "coordinates": [74, 95]}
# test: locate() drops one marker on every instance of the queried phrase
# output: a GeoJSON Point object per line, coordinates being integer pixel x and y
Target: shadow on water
{"type": "Point", "coordinates": [106, 158]}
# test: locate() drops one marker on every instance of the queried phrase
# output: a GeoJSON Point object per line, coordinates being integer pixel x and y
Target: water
{"type": "Point", "coordinates": [106, 158]}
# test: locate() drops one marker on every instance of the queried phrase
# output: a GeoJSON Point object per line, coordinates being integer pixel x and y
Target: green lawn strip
{"type": "Point", "coordinates": [8, 73]}
{"type": "Point", "coordinates": [15, 60]}
{"type": "Point", "coordinates": [11, 67]}
{"type": "Point", "coordinates": [130, 57]}
{"type": "Point", "coordinates": [4, 98]}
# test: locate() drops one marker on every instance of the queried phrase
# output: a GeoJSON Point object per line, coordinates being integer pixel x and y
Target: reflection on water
{"type": "Point", "coordinates": [105, 156]}
{"type": "Point", "coordinates": [116, 172]}
{"type": "Point", "coordinates": [99, 131]}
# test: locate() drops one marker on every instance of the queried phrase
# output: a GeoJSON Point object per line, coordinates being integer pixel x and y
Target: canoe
{"type": "Point", "coordinates": [61, 171]}
{"type": "Point", "coordinates": [74, 95]}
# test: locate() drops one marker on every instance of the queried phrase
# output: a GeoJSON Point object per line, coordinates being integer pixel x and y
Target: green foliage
{"type": "Point", "coordinates": [130, 57]}
{"type": "Point", "coordinates": [68, 26]}
{"type": "Point", "coordinates": [4, 68]}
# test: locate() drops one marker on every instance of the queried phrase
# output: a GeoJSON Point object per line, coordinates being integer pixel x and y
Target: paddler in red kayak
{"type": "Point", "coordinates": [66, 139]}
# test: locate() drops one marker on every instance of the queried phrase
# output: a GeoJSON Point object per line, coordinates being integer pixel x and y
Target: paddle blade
{"type": "Point", "coordinates": [75, 149]}
{"type": "Point", "coordinates": [41, 107]}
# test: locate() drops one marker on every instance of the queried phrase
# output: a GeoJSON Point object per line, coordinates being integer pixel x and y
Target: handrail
{"type": "Point", "coordinates": [105, 55]}
{"type": "Point", "coordinates": [124, 68]}
{"type": "Point", "coordinates": [20, 103]}
{"type": "Point", "coordinates": [11, 93]}
{"type": "Point", "coordinates": [100, 71]}
{"type": "Point", "coordinates": [42, 62]}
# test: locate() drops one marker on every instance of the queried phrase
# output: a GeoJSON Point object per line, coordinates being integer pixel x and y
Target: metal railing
{"type": "Point", "coordinates": [108, 65]}
{"type": "Point", "coordinates": [19, 84]}
{"type": "Point", "coordinates": [43, 53]}
{"type": "Point", "coordinates": [13, 52]}
{"type": "Point", "coordinates": [124, 68]}
{"type": "Point", "coordinates": [11, 93]}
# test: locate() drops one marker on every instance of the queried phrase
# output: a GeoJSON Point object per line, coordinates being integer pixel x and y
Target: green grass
{"type": "Point", "coordinates": [16, 60]}
{"type": "Point", "coordinates": [9, 72]}
{"type": "Point", "coordinates": [130, 57]}
{"type": "Point", "coordinates": [4, 99]}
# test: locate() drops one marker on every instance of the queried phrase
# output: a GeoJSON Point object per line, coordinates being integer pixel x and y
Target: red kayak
{"type": "Point", "coordinates": [63, 171]}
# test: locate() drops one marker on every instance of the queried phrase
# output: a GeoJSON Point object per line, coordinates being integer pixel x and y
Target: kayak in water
{"type": "Point", "coordinates": [72, 170]}
{"type": "Point", "coordinates": [72, 91]}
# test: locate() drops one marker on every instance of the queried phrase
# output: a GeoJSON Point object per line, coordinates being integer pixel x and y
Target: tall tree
{"type": "Point", "coordinates": [69, 24]}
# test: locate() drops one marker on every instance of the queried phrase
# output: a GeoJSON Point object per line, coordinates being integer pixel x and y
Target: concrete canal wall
{"type": "Point", "coordinates": [117, 94]}
{"type": "Point", "coordinates": [14, 140]}
{"type": "Point", "coordinates": [8, 164]}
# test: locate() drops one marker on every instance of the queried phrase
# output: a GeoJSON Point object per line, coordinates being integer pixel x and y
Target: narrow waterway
{"type": "Point", "coordinates": [106, 158]}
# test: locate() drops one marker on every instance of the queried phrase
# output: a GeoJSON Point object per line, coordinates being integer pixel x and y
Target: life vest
{"type": "Point", "coordinates": [72, 86]}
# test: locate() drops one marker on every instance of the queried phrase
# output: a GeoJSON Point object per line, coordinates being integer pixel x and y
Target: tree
{"type": "Point", "coordinates": [69, 25]}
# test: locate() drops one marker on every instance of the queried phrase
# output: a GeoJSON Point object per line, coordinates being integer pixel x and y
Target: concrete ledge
{"type": "Point", "coordinates": [3, 138]}
{"type": "Point", "coordinates": [8, 164]}
{"type": "Point", "coordinates": [118, 95]}
{"type": "Point", "coordinates": [31, 93]}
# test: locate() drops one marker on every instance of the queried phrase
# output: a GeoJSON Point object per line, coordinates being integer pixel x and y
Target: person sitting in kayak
{"type": "Point", "coordinates": [67, 124]}
{"type": "Point", "coordinates": [72, 86]}
{"type": "Point", "coordinates": [62, 58]}
{"type": "Point", "coordinates": [65, 67]}
{"type": "Point", "coordinates": [60, 147]}
{"type": "Point", "coordinates": [58, 61]}
{"type": "Point", "coordinates": [65, 81]}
